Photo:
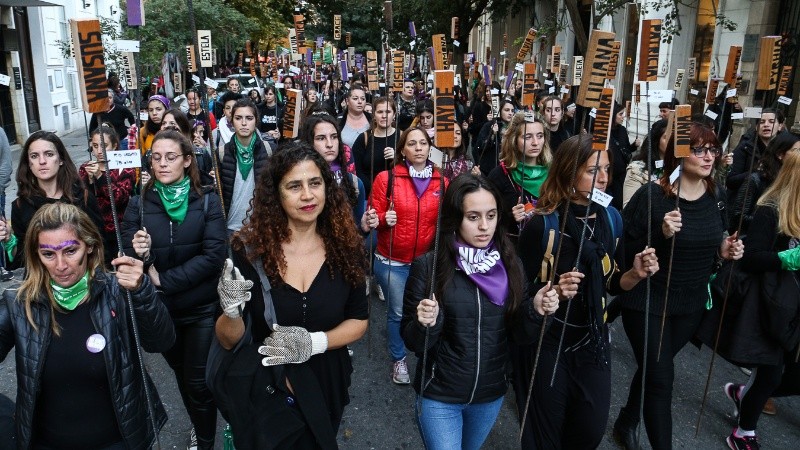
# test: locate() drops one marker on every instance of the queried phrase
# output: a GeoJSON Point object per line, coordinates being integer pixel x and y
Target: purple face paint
{"type": "Point", "coordinates": [59, 246]}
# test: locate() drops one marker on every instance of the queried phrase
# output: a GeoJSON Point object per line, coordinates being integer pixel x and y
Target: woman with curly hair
{"type": "Point", "coordinates": [301, 249]}
{"type": "Point", "coordinates": [525, 156]}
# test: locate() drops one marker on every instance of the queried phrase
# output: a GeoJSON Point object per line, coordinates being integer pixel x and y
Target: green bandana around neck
{"type": "Point", "coordinates": [529, 177]}
{"type": "Point", "coordinates": [69, 297]}
{"type": "Point", "coordinates": [175, 198]}
{"type": "Point", "coordinates": [244, 156]}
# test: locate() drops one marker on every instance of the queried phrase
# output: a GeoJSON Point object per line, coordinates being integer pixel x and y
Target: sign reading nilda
{"type": "Point", "coordinates": [445, 106]}
{"type": "Point", "coordinates": [87, 43]}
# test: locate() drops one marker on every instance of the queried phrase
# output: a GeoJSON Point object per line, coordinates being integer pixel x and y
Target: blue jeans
{"type": "Point", "coordinates": [456, 425]}
{"type": "Point", "coordinates": [394, 303]}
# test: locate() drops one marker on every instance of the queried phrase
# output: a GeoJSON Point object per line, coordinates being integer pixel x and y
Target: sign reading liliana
{"type": "Point", "coordinates": [87, 42]}
{"type": "Point", "coordinates": [124, 159]}
{"type": "Point", "coordinates": [601, 47]}
{"type": "Point", "coordinates": [445, 107]}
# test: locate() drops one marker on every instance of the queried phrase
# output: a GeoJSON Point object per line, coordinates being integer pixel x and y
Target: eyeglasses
{"type": "Point", "coordinates": [700, 151]}
{"type": "Point", "coordinates": [171, 157]}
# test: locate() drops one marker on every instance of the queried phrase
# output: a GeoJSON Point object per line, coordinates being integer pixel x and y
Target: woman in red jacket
{"type": "Point", "coordinates": [405, 201]}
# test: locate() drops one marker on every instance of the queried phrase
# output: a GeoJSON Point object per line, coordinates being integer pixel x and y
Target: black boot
{"type": "Point", "coordinates": [625, 430]}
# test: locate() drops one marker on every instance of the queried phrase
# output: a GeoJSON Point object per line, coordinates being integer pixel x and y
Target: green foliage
{"type": "Point", "coordinates": [270, 17]}
{"type": "Point", "coordinates": [108, 28]}
{"type": "Point", "coordinates": [167, 30]}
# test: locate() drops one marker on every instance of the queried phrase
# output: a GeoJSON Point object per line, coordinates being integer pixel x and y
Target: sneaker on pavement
{"type": "Point", "coordinates": [770, 408]}
{"type": "Point", "coordinates": [192, 440]}
{"type": "Point", "coordinates": [732, 392]}
{"type": "Point", "coordinates": [742, 443]}
{"type": "Point", "coordinates": [746, 371]}
{"type": "Point", "coordinates": [400, 372]}
{"type": "Point", "coordinates": [379, 291]}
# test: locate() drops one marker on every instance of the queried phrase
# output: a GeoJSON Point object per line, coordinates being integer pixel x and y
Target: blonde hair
{"type": "Point", "coordinates": [510, 155]}
{"type": "Point", "coordinates": [784, 195]}
{"type": "Point", "coordinates": [37, 284]}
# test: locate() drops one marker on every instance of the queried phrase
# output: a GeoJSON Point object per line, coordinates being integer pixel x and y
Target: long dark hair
{"type": "Point", "coordinates": [184, 126]}
{"type": "Point", "coordinates": [452, 216]}
{"type": "Point", "coordinates": [771, 161]}
{"type": "Point", "coordinates": [699, 134]}
{"type": "Point", "coordinates": [306, 135]}
{"type": "Point", "coordinates": [651, 143]}
{"type": "Point", "coordinates": [67, 178]}
{"type": "Point", "coordinates": [268, 227]}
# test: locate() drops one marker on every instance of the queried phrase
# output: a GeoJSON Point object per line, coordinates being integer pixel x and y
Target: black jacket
{"type": "Point", "coordinates": [228, 169]}
{"type": "Point", "coordinates": [156, 332]}
{"type": "Point", "coordinates": [188, 256]}
{"type": "Point", "coordinates": [468, 345]}
{"type": "Point", "coordinates": [742, 155]}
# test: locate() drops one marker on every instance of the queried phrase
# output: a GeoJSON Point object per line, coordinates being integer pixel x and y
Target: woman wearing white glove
{"type": "Point", "coordinates": [316, 268]}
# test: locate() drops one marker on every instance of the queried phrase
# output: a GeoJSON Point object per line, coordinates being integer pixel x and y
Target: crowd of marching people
{"type": "Point", "coordinates": [246, 251]}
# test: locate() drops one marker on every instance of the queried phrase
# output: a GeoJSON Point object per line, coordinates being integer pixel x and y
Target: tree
{"type": "Point", "coordinates": [271, 19]}
{"type": "Point", "coordinates": [165, 33]}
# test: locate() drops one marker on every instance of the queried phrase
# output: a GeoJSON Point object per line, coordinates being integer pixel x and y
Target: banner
{"type": "Point", "coordinates": [444, 105]}
{"type": "Point", "coordinates": [87, 44]}
{"type": "Point", "coordinates": [648, 50]}
{"type": "Point", "coordinates": [204, 42]}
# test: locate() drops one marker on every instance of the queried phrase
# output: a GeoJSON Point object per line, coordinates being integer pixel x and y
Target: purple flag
{"type": "Point", "coordinates": [135, 13]}
{"type": "Point", "coordinates": [487, 75]}
{"type": "Point", "coordinates": [343, 69]}
{"type": "Point", "coordinates": [320, 40]}
{"type": "Point", "coordinates": [359, 60]}
{"type": "Point", "coordinates": [509, 75]}
{"type": "Point", "coordinates": [309, 57]}
{"type": "Point", "coordinates": [412, 30]}
{"type": "Point", "coordinates": [433, 58]}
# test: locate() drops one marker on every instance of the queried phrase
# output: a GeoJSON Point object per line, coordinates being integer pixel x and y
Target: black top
{"type": "Point", "coordinates": [269, 117]}
{"type": "Point", "coordinates": [763, 242]}
{"type": "Point", "coordinates": [486, 151]}
{"type": "Point", "coordinates": [557, 137]}
{"type": "Point", "coordinates": [696, 248]}
{"type": "Point", "coordinates": [329, 301]}
{"type": "Point", "coordinates": [510, 193]}
{"type": "Point", "coordinates": [116, 118]}
{"type": "Point", "coordinates": [480, 112]}
{"type": "Point", "coordinates": [363, 146]}
{"type": "Point", "coordinates": [73, 375]}
{"type": "Point", "coordinates": [621, 150]}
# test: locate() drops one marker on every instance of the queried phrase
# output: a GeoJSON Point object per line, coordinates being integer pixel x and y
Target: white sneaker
{"type": "Point", "coordinates": [379, 291]}
{"type": "Point", "coordinates": [400, 372]}
{"type": "Point", "coordinates": [192, 440]}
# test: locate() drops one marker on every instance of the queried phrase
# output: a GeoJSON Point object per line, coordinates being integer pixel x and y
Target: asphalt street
{"type": "Point", "coordinates": [381, 414]}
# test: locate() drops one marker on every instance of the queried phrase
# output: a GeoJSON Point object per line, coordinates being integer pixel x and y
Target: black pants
{"type": "Point", "coordinates": [780, 380]}
{"type": "Point", "coordinates": [579, 399]}
{"type": "Point", "coordinates": [678, 329]}
{"type": "Point", "coordinates": [187, 358]}
{"type": "Point", "coordinates": [8, 428]}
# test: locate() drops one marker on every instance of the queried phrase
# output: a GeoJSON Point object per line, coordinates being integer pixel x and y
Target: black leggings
{"type": "Point", "coordinates": [187, 358]}
{"type": "Point", "coordinates": [678, 329]}
{"type": "Point", "coordinates": [781, 380]}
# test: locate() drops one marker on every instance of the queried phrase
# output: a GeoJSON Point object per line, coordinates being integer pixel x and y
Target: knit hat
{"type": "Point", "coordinates": [160, 98]}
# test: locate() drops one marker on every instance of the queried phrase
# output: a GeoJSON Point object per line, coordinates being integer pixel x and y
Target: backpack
{"type": "Point", "coordinates": [551, 236]}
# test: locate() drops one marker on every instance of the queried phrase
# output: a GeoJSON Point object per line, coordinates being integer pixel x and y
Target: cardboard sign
{"type": "Point", "coordinates": [348, 38]}
{"type": "Point", "coordinates": [398, 65]}
{"type": "Point", "coordinates": [495, 100]}
{"type": "Point", "coordinates": [527, 44]}
{"type": "Point", "coordinates": [87, 44]}
{"type": "Point", "coordinates": [679, 75]}
{"type": "Point", "coordinates": [444, 119]}
{"type": "Point", "coordinates": [291, 115]}
{"type": "Point", "coordinates": [439, 51]}
{"type": "Point", "coordinates": [683, 123]}
{"type": "Point", "coordinates": [648, 50]}
{"type": "Point", "coordinates": [603, 120]}
{"type": "Point", "coordinates": [769, 60]}
{"type": "Point", "coordinates": [660, 95]}
{"type": "Point", "coordinates": [337, 27]}
{"type": "Point", "coordinates": [454, 28]}
{"type": "Point", "coordinates": [505, 40]}
{"type": "Point", "coordinates": [177, 82]}
{"type": "Point", "coordinates": [5, 80]}
{"type": "Point", "coordinates": [129, 70]}
{"type": "Point", "coordinates": [528, 81]}
{"type": "Point", "coordinates": [555, 59]}
{"type": "Point", "coordinates": [124, 45]}
{"type": "Point", "coordinates": [691, 72]}
{"type": "Point", "coordinates": [300, 28]}
{"type": "Point", "coordinates": [783, 84]}
{"type": "Point", "coordinates": [372, 70]}
{"type": "Point", "coordinates": [613, 64]}
{"type": "Point", "coordinates": [637, 93]}
{"type": "Point", "coordinates": [711, 92]}
{"type": "Point", "coordinates": [732, 69]}
{"type": "Point", "coordinates": [124, 159]}
{"type": "Point", "coordinates": [387, 14]}
{"type": "Point", "coordinates": [601, 47]}
{"type": "Point", "coordinates": [204, 42]}
{"type": "Point", "coordinates": [577, 71]}
{"type": "Point", "coordinates": [563, 70]}
{"type": "Point", "coordinates": [191, 62]}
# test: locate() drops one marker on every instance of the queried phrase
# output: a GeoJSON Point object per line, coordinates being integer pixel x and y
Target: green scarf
{"type": "Point", "coordinates": [529, 177]}
{"type": "Point", "coordinates": [175, 198]}
{"type": "Point", "coordinates": [69, 297]}
{"type": "Point", "coordinates": [244, 156]}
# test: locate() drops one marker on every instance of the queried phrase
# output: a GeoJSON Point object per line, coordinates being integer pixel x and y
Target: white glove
{"type": "Point", "coordinates": [292, 345]}
{"type": "Point", "coordinates": [233, 290]}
